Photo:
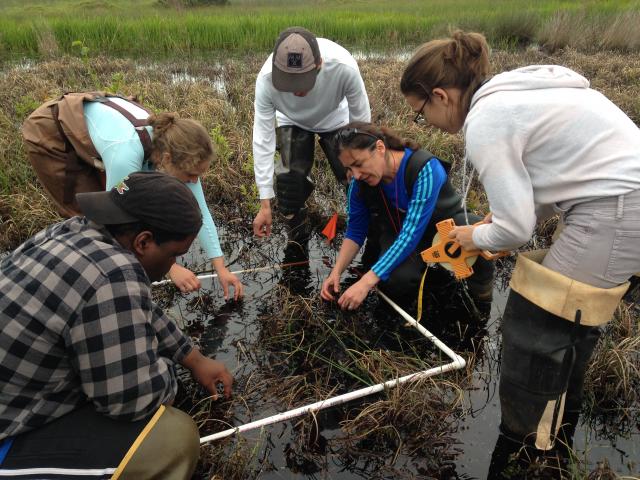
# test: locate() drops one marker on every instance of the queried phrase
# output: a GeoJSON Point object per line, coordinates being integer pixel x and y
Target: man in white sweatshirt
{"type": "Point", "coordinates": [307, 86]}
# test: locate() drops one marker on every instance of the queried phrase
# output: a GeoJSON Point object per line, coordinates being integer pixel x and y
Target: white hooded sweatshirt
{"type": "Point", "coordinates": [538, 137]}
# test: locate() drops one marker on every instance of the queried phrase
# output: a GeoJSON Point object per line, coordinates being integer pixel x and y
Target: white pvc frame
{"type": "Point", "coordinates": [457, 363]}
{"type": "Point", "coordinates": [249, 270]}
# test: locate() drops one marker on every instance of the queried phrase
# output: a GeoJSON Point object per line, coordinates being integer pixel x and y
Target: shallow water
{"type": "Point", "coordinates": [184, 77]}
{"type": "Point", "coordinates": [225, 328]}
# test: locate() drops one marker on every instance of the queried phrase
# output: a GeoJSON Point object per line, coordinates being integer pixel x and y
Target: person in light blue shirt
{"type": "Point", "coordinates": [397, 193]}
{"type": "Point", "coordinates": [180, 147]}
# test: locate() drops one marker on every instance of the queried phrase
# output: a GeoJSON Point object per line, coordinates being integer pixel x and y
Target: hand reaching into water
{"type": "Point", "coordinates": [184, 279]}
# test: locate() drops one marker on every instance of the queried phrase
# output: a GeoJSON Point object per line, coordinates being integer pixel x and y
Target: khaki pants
{"type": "Point", "coordinates": [600, 241]}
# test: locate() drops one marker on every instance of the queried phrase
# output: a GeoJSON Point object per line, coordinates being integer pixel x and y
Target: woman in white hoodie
{"type": "Point", "coordinates": [542, 142]}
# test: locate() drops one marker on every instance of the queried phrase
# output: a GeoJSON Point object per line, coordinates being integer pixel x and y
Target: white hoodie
{"type": "Point", "coordinates": [539, 136]}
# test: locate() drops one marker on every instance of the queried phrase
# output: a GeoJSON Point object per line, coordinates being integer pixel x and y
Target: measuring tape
{"type": "Point", "coordinates": [451, 255]}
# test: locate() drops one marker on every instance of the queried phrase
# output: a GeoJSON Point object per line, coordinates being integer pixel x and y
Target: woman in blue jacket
{"type": "Point", "coordinates": [397, 194]}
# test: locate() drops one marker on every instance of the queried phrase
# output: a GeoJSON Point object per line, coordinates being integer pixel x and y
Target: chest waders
{"type": "Point", "coordinates": [60, 149]}
{"type": "Point", "coordinates": [87, 444]}
{"type": "Point", "coordinates": [293, 184]}
{"type": "Point", "coordinates": [550, 328]}
{"type": "Point", "coordinates": [404, 282]}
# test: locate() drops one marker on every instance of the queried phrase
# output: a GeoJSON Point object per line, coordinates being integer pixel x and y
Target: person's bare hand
{"type": "Point", "coordinates": [330, 287]}
{"type": "Point", "coordinates": [228, 279]}
{"type": "Point", "coordinates": [208, 373]}
{"type": "Point", "coordinates": [464, 236]}
{"type": "Point", "coordinates": [353, 297]}
{"type": "Point", "coordinates": [183, 278]}
{"type": "Point", "coordinates": [262, 222]}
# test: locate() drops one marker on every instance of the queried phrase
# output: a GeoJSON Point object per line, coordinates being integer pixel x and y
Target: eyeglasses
{"type": "Point", "coordinates": [419, 118]}
{"type": "Point", "coordinates": [346, 135]}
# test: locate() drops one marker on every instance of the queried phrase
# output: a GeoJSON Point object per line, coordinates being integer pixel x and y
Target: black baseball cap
{"type": "Point", "coordinates": [153, 198]}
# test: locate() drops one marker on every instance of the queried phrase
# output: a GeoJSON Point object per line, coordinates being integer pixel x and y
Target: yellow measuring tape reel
{"type": "Point", "coordinates": [451, 255]}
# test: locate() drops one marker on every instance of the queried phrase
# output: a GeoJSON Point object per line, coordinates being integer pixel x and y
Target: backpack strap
{"type": "Point", "coordinates": [449, 202]}
{"type": "Point", "coordinates": [418, 159]}
{"type": "Point", "coordinates": [138, 123]}
{"type": "Point", "coordinates": [73, 164]}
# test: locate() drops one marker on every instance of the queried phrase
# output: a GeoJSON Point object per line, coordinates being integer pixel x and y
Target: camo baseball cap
{"type": "Point", "coordinates": [153, 198]}
{"type": "Point", "coordinates": [296, 57]}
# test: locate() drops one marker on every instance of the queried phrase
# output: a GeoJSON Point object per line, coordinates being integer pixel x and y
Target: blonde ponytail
{"type": "Point", "coordinates": [186, 141]}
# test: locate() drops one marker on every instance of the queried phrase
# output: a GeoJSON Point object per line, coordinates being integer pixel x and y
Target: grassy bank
{"type": "Point", "coordinates": [37, 29]}
{"type": "Point", "coordinates": [193, 89]}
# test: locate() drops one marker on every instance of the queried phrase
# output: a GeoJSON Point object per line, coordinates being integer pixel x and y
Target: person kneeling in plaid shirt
{"type": "Point", "coordinates": [86, 358]}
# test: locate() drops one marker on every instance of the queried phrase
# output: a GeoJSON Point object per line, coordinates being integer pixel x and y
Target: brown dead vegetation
{"type": "Point", "coordinates": [194, 90]}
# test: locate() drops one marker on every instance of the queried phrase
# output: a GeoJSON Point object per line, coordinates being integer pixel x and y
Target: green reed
{"type": "Point", "coordinates": [34, 28]}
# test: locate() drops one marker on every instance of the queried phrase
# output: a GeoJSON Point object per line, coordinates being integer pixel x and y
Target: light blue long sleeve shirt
{"type": "Point", "coordinates": [118, 144]}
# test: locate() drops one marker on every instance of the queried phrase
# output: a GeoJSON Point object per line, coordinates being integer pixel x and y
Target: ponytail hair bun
{"type": "Point", "coordinates": [161, 122]}
{"type": "Point", "coordinates": [460, 61]}
{"type": "Point", "coordinates": [469, 53]}
{"type": "Point", "coordinates": [185, 140]}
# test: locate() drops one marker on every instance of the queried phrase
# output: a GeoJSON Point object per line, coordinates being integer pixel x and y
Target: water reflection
{"type": "Point", "coordinates": [217, 83]}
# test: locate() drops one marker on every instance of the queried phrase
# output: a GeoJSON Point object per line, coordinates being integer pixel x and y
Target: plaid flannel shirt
{"type": "Point", "coordinates": [77, 324]}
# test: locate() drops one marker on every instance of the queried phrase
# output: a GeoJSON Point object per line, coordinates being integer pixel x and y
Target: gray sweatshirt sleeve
{"type": "Point", "coordinates": [356, 93]}
{"type": "Point", "coordinates": [495, 148]}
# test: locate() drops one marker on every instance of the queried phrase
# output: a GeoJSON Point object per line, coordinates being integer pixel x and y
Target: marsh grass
{"type": "Point", "coordinates": [227, 113]}
{"type": "Point", "coordinates": [36, 29]}
{"type": "Point", "coordinates": [333, 349]}
{"type": "Point", "coordinates": [238, 459]}
{"type": "Point", "coordinates": [613, 380]}
{"type": "Point", "coordinates": [28, 211]}
{"type": "Point", "coordinates": [316, 352]}
{"type": "Point", "coordinates": [583, 30]}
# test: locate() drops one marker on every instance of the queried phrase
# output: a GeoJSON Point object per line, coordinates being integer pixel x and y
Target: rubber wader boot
{"type": "Point", "coordinates": [292, 183]}
{"type": "Point", "coordinates": [549, 332]}
{"type": "Point", "coordinates": [506, 459]}
{"type": "Point", "coordinates": [513, 460]}
{"type": "Point", "coordinates": [328, 144]}
{"type": "Point", "coordinates": [298, 233]}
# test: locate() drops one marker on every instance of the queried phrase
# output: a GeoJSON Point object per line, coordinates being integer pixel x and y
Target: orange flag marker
{"type": "Point", "coordinates": [330, 228]}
